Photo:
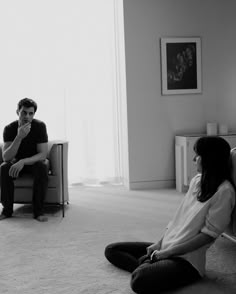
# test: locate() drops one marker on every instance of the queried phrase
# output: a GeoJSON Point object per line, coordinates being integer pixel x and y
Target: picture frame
{"type": "Point", "coordinates": [181, 65]}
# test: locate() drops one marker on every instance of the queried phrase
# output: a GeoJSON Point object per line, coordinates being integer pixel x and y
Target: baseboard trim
{"type": "Point", "coordinates": [151, 185]}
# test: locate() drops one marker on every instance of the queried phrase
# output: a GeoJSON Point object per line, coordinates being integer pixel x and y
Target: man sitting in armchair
{"type": "Point", "coordinates": [24, 151]}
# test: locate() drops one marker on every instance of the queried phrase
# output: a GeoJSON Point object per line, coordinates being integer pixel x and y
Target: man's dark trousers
{"type": "Point", "coordinates": [39, 171]}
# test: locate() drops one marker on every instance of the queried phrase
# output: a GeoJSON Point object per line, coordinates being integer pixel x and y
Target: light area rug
{"type": "Point", "coordinates": [66, 255]}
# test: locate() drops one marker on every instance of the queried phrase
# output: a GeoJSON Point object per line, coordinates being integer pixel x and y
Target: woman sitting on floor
{"type": "Point", "coordinates": [179, 258]}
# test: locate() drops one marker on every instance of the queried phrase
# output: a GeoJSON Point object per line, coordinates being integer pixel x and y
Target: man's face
{"type": "Point", "coordinates": [25, 115]}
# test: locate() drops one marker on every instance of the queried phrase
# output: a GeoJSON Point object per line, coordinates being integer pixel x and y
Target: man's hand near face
{"type": "Point", "coordinates": [16, 168]}
{"type": "Point", "coordinates": [23, 130]}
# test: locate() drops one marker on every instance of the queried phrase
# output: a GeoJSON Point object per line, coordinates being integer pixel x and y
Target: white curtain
{"type": "Point", "coordinates": [62, 54]}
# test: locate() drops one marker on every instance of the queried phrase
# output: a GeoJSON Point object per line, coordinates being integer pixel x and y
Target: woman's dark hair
{"type": "Point", "coordinates": [27, 102]}
{"type": "Point", "coordinates": [215, 164]}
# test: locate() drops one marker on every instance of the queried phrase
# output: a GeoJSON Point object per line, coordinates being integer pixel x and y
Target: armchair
{"type": "Point", "coordinates": [57, 180]}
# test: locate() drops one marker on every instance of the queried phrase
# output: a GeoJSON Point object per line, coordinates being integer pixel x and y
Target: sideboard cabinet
{"type": "Point", "coordinates": [185, 168]}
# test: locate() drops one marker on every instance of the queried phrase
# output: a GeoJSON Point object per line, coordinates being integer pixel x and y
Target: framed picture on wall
{"type": "Point", "coordinates": [181, 65]}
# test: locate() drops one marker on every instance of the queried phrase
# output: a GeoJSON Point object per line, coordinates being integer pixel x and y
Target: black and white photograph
{"type": "Point", "coordinates": [117, 147]}
{"type": "Point", "coordinates": [181, 65]}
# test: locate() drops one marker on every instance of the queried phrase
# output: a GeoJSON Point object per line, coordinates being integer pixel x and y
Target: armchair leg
{"type": "Point", "coordinates": [63, 209]}
{"type": "Point", "coordinates": [63, 204]}
{"type": "Point", "coordinates": [63, 196]}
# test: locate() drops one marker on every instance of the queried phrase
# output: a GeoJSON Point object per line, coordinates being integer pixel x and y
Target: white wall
{"type": "Point", "coordinates": [153, 119]}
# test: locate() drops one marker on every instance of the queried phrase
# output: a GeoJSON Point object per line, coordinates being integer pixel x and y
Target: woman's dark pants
{"type": "Point", "coordinates": [150, 277]}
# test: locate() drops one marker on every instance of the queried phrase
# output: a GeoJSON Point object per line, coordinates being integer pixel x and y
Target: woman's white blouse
{"type": "Point", "coordinates": [192, 217]}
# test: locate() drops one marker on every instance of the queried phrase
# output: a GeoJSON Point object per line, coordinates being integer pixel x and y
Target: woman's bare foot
{"type": "Point", "coordinates": [41, 218]}
{"type": "Point", "coordinates": [3, 216]}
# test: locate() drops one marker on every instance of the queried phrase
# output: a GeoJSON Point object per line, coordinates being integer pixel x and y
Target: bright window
{"type": "Point", "coordinates": [61, 53]}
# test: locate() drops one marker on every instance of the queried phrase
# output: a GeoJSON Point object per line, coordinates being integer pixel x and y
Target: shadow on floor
{"type": "Point", "coordinates": [25, 210]}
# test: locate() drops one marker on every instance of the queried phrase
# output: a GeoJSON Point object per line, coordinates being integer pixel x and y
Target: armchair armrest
{"type": "Point", "coordinates": [58, 156]}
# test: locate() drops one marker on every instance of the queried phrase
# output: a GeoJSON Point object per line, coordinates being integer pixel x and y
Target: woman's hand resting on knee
{"type": "Point", "coordinates": [150, 249]}
{"type": "Point", "coordinates": [159, 255]}
{"type": "Point", "coordinates": [153, 247]}
{"type": "Point", "coordinates": [155, 253]}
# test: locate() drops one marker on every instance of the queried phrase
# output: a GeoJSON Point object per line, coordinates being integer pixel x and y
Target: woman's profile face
{"type": "Point", "coordinates": [197, 161]}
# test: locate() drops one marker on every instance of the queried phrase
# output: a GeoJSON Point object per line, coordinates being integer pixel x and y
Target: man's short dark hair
{"type": "Point", "coordinates": [27, 102]}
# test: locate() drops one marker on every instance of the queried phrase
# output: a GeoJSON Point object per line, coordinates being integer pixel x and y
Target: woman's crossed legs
{"type": "Point", "coordinates": [147, 276]}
